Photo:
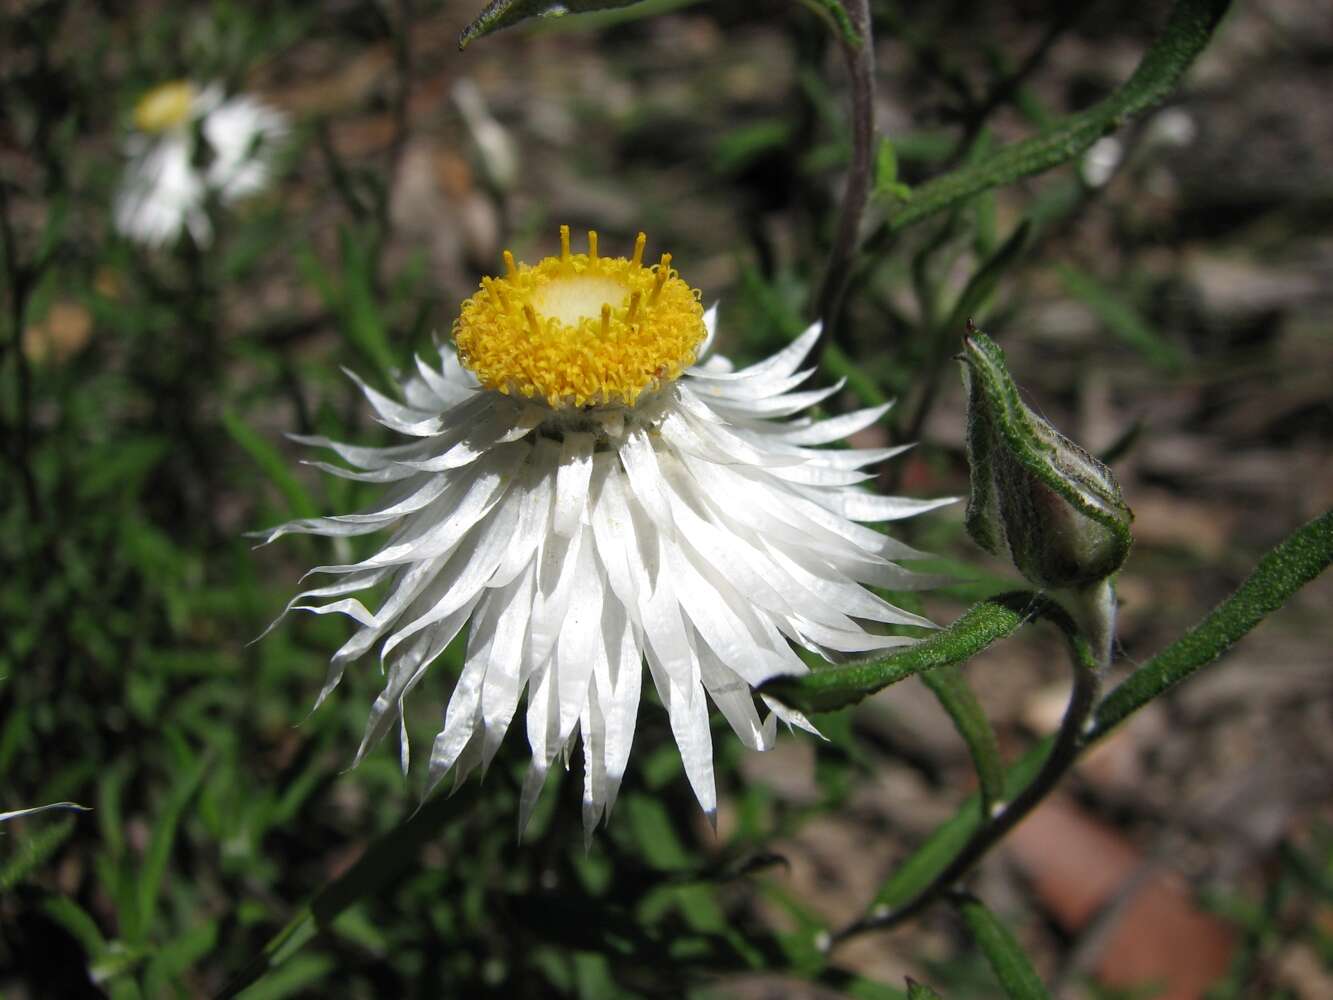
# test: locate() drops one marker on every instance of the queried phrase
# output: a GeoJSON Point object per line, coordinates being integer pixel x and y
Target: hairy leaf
{"type": "Point", "coordinates": [1002, 951]}
{"type": "Point", "coordinates": [1187, 32]}
{"type": "Point", "coordinates": [505, 13]}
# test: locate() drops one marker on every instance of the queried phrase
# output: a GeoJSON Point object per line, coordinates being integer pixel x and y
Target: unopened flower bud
{"type": "Point", "coordinates": [1036, 496]}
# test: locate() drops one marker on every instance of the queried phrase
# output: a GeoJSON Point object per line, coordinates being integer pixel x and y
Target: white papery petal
{"type": "Point", "coordinates": [779, 365]}
{"type": "Point", "coordinates": [834, 428]}
{"type": "Point", "coordinates": [775, 406]}
{"type": "Point", "coordinates": [698, 535]}
{"type": "Point", "coordinates": [571, 482]}
{"type": "Point", "coordinates": [504, 671]}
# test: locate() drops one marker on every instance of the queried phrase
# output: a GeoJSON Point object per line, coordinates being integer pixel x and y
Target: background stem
{"type": "Point", "coordinates": [861, 66]}
{"type": "Point", "coordinates": [1064, 751]}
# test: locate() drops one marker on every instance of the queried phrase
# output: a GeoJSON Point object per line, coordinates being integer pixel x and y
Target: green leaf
{"type": "Point", "coordinates": [1296, 561]}
{"type": "Point", "coordinates": [1186, 34]}
{"type": "Point", "coordinates": [124, 467]}
{"type": "Point", "coordinates": [160, 845]}
{"type": "Point", "coordinates": [920, 991]}
{"type": "Point", "coordinates": [271, 463]}
{"type": "Point", "coordinates": [77, 922]}
{"type": "Point", "coordinates": [351, 297]}
{"type": "Point", "coordinates": [1293, 563]}
{"type": "Point", "coordinates": [983, 282]}
{"type": "Point", "coordinates": [836, 14]}
{"type": "Point", "coordinates": [744, 145]}
{"type": "Point", "coordinates": [925, 863]}
{"type": "Point", "coordinates": [386, 860]}
{"type": "Point", "coordinates": [32, 852]}
{"type": "Point", "coordinates": [1012, 968]}
{"type": "Point", "coordinates": [837, 687]}
{"type": "Point", "coordinates": [506, 13]}
{"type": "Point", "coordinates": [1122, 319]}
{"type": "Point", "coordinates": [951, 689]}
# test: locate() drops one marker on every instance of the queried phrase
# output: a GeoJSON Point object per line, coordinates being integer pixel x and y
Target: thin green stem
{"type": "Point", "coordinates": [860, 60]}
{"type": "Point", "coordinates": [1064, 751]}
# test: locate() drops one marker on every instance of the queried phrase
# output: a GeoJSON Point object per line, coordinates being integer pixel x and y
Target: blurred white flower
{"type": "Point", "coordinates": [169, 179]}
{"type": "Point", "coordinates": [1101, 160]}
{"type": "Point", "coordinates": [587, 500]}
{"type": "Point", "coordinates": [1173, 128]}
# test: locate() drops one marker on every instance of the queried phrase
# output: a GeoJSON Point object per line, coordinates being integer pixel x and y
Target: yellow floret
{"type": "Point", "coordinates": [580, 329]}
{"type": "Point", "coordinates": [165, 106]}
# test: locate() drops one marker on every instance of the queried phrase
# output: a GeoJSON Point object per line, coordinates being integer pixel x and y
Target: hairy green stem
{"type": "Point", "coordinates": [1297, 560]}
{"type": "Point", "coordinates": [1065, 748]}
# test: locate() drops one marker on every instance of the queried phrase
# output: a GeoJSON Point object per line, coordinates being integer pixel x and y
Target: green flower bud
{"type": "Point", "coordinates": [1036, 496]}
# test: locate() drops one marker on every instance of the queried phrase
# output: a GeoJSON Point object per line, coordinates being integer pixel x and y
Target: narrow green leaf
{"type": "Point", "coordinates": [981, 286]}
{"type": "Point", "coordinates": [839, 365]}
{"type": "Point", "coordinates": [933, 856]}
{"type": "Point", "coordinates": [360, 320]}
{"type": "Point", "coordinates": [1186, 34]}
{"type": "Point", "coordinates": [1006, 958]}
{"type": "Point", "coordinates": [920, 991]}
{"type": "Point", "coordinates": [837, 687]}
{"type": "Point", "coordinates": [1296, 561]}
{"type": "Point", "coordinates": [33, 851]}
{"type": "Point", "coordinates": [124, 467]}
{"type": "Point", "coordinates": [1292, 564]}
{"type": "Point", "coordinates": [274, 467]}
{"type": "Point", "coordinates": [506, 13]}
{"type": "Point", "coordinates": [836, 14]}
{"type": "Point", "coordinates": [1121, 319]}
{"type": "Point", "coordinates": [386, 860]}
{"type": "Point", "coordinates": [160, 846]}
{"type": "Point", "coordinates": [950, 687]}
{"type": "Point", "coordinates": [77, 922]}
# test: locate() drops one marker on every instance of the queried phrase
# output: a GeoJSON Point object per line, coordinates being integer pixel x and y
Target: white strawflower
{"type": "Point", "coordinates": [169, 179]}
{"type": "Point", "coordinates": [587, 501]}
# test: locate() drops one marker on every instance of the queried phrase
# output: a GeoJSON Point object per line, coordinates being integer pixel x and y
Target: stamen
{"type": "Point", "coordinates": [663, 272]}
{"type": "Point", "coordinates": [579, 331]}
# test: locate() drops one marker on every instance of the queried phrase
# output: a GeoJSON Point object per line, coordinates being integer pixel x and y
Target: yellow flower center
{"type": "Point", "coordinates": [165, 106]}
{"type": "Point", "coordinates": [579, 329]}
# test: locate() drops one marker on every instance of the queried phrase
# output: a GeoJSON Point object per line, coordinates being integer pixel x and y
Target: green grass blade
{"type": "Point", "coordinates": [952, 691]}
{"type": "Point", "coordinates": [160, 846]}
{"type": "Point", "coordinates": [385, 861]}
{"type": "Point", "coordinates": [1187, 32]}
{"type": "Point", "coordinates": [1122, 319]}
{"type": "Point", "coordinates": [32, 852]}
{"type": "Point", "coordinates": [275, 468]}
{"type": "Point", "coordinates": [1006, 958]}
{"type": "Point", "coordinates": [933, 856]}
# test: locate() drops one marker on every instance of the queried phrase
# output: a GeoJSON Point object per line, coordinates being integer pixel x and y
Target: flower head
{"type": "Point", "coordinates": [586, 502]}
{"type": "Point", "coordinates": [165, 189]}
